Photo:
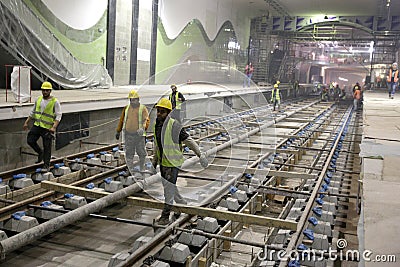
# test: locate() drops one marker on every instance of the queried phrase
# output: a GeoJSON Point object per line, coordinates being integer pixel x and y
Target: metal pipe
{"type": "Point", "coordinates": [34, 233]}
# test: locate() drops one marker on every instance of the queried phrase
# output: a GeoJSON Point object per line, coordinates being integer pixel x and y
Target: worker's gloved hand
{"type": "Point", "coordinates": [203, 160]}
{"type": "Point", "coordinates": [117, 135]}
{"type": "Point", "coordinates": [140, 131]}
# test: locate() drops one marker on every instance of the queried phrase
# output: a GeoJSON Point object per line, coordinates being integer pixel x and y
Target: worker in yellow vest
{"type": "Point", "coordinates": [46, 114]}
{"type": "Point", "coordinates": [276, 96]}
{"type": "Point", "coordinates": [168, 138]}
{"type": "Point", "coordinates": [133, 122]}
{"type": "Point", "coordinates": [176, 99]}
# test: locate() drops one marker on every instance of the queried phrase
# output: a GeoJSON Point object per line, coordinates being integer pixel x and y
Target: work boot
{"type": "Point", "coordinates": [40, 157]}
{"type": "Point", "coordinates": [163, 220]}
{"type": "Point", "coordinates": [45, 169]}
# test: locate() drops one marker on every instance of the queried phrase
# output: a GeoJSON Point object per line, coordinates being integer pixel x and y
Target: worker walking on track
{"type": "Point", "coordinates": [134, 122]}
{"type": "Point", "coordinates": [276, 96]}
{"type": "Point", "coordinates": [46, 114]}
{"type": "Point", "coordinates": [168, 138]}
{"type": "Point", "coordinates": [393, 79]}
{"type": "Point", "coordinates": [177, 100]}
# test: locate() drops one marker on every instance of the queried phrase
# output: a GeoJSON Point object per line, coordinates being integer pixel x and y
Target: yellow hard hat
{"type": "Point", "coordinates": [164, 103]}
{"type": "Point", "coordinates": [276, 85]}
{"type": "Point", "coordinates": [173, 86]}
{"type": "Point", "coordinates": [46, 86]}
{"type": "Point", "coordinates": [133, 94]}
{"type": "Point", "coordinates": [278, 82]}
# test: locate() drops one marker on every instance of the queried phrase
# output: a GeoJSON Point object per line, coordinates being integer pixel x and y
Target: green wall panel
{"type": "Point", "coordinates": [193, 43]}
{"type": "Point", "coordinates": [88, 51]}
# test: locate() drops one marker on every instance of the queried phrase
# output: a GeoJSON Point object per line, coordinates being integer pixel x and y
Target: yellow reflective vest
{"type": "Point", "coordinates": [177, 102]}
{"type": "Point", "coordinates": [172, 153]}
{"type": "Point", "coordinates": [275, 95]}
{"type": "Point", "coordinates": [46, 118]}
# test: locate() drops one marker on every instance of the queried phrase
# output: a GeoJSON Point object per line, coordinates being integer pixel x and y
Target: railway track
{"type": "Point", "coordinates": [269, 174]}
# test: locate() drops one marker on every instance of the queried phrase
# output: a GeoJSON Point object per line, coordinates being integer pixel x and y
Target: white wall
{"type": "Point", "coordinates": [176, 14]}
{"type": "Point", "coordinates": [78, 14]}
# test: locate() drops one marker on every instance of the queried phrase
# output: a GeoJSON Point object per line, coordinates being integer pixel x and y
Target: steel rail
{"type": "Point", "coordinates": [303, 219]}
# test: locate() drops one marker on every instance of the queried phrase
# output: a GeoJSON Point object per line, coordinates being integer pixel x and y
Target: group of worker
{"type": "Point", "coordinates": [333, 92]}
{"type": "Point", "coordinates": [168, 137]}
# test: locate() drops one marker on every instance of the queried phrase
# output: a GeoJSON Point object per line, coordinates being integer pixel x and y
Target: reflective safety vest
{"type": "Point", "coordinates": [275, 95]}
{"type": "Point", "coordinates": [177, 102]}
{"type": "Point", "coordinates": [46, 118]}
{"type": "Point", "coordinates": [172, 152]}
{"type": "Point", "coordinates": [140, 117]}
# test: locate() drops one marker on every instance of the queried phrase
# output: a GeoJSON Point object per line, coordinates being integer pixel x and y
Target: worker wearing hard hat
{"type": "Point", "coordinates": [133, 122]}
{"type": "Point", "coordinates": [168, 138]}
{"type": "Point", "coordinates": [46, 114]}
{"type": "Point", "coordinates": [393, 79]}
{"type": "Point", "coordinates": [176, 99]}
{"type": "Point", "coordinates": [276, 96]}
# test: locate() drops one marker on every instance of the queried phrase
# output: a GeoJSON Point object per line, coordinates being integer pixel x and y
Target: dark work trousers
{"type": "Point", "coordinates": [33, 137]}
{"type": "Point", "coordinates": [171, 193]}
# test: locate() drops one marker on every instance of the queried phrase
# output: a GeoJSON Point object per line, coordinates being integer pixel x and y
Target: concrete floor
{"type": "Point", "coordinates": [380, 150]}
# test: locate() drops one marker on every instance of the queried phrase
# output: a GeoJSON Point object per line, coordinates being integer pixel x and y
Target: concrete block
{"type": "Point", "coordinates": [23, 182]}
{"type": "Point", "coordinates": [106, 157]}
{"type": "Point", "coordinates": [76, 166]}
{"type": "Point", "coordinates": [178, 253]}
{"type": "Point", "coordinates": [118, 258]}
{"type": "Point", "coordinates": [231, 203]}
{"type": "Point", "coordinates": [329, 206]}
{"type": "Point", "coordinates": [74, 202]}
{"type": "Point", "coordinates": [3, 235]}
{"type": "Point", "coordinates": [294, 213]}
{"type": "Point", "coordinates": [327, 217]}
{"type": "Point", "coordinates": [25, 223]}
{"type": "Point", "coordinates": [61, 171]}
{"type": "Point", "coordinates": [93, 161]}
{"type": "Point", "coordinates": [240, 195]}
{"type": "Point", "coordinates": [192, 240]}
{"type": "Point", "coordinates": [140, 242]}
{"type": "Point", "coordinates": [38, 177]}
{"type": "Point", "coordinates": [208, 224]}
{"type": "Point", "coordinates": [331, 199]}
{"type": "Point", "coordinates": [49, 214]}
{"type": "Point", "coordinates": [282, 236]}
{"type": "Point", "coordinates": [299, 203]}
{"type": "Point", "coordinates": [4, 188]}
{"type": "Point", "coordinates": [97, 189]}
{"type": "Point", "coordinates": [320, 242]}
{"type": "Point", "coordinates": [117, 154]}
{"type": "Point", "coordinates": [126, 181]}
{"type": "Point", "coordinates": [324, 228]}
{"type": "Point", "coordinates": [113, 186]}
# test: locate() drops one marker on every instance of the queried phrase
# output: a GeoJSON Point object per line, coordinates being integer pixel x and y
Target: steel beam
{"type": "Point", "coordinates": [193, 210]}
{"type": "Point", "coordinates": [266, 172]}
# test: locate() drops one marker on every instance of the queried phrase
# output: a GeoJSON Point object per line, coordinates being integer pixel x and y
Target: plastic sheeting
{"type": "Point", "coordinates": [21, 83]}
{"type": "Point", "coordinates": [23, 32]}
